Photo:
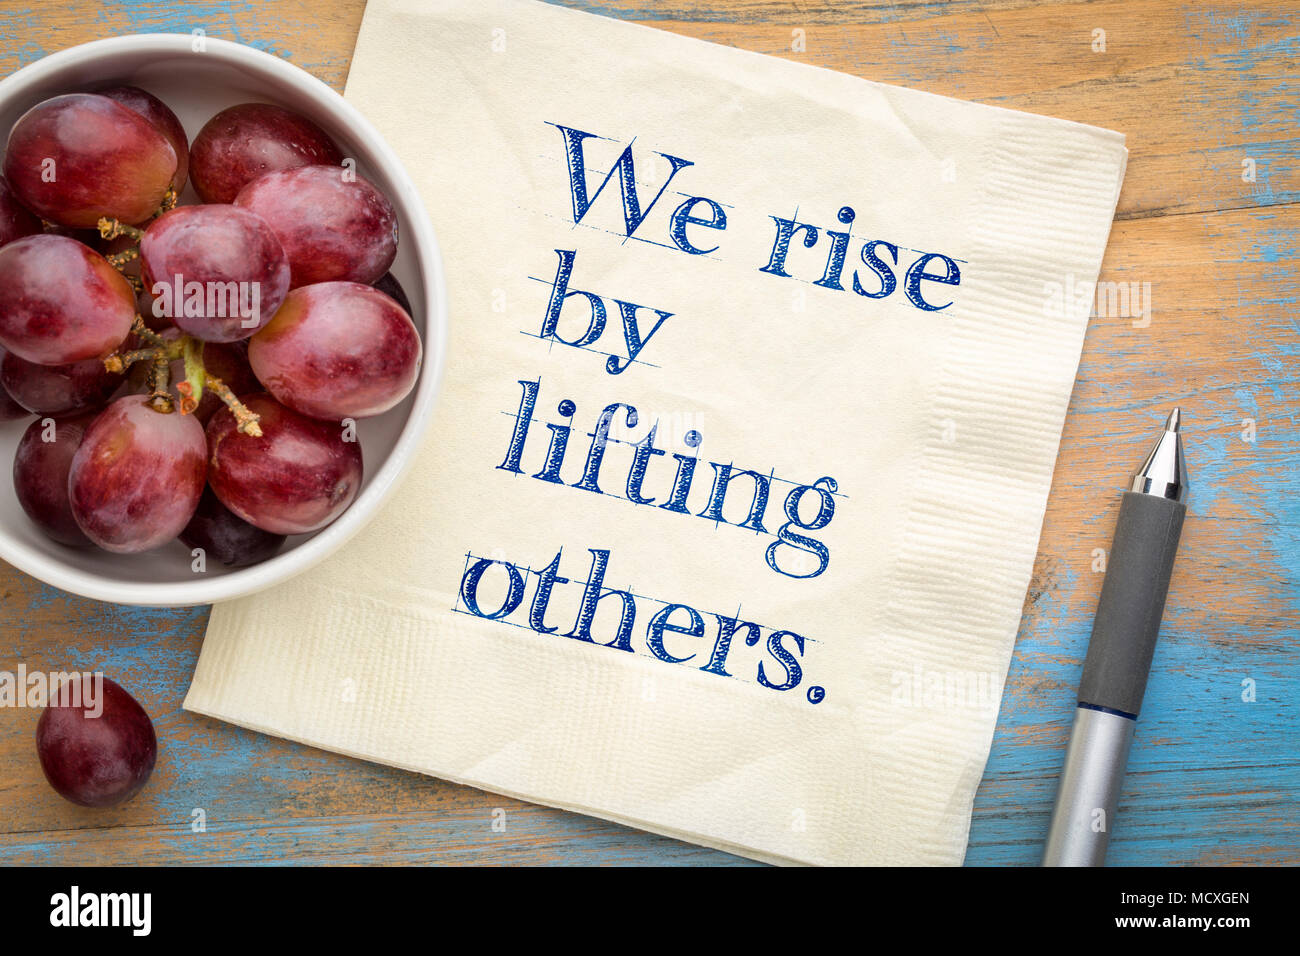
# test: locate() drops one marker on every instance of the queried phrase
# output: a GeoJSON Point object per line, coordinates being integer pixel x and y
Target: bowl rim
{"type": "Point", "coordinates": [401, 457]}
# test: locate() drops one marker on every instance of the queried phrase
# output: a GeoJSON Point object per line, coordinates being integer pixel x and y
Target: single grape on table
{"type": "Point", "coordinates": [97, 747]}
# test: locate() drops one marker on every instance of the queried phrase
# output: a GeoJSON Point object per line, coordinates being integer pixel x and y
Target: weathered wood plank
{"type": "Point", "coordinates": [1197, 89]}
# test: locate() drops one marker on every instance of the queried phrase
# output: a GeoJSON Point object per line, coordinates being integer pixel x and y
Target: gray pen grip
{"type": "Point", "coordinates": [1132, 601]}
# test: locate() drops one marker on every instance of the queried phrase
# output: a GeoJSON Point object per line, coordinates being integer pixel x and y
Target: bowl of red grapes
{"type": "Point", "coordinates": [222, 319]}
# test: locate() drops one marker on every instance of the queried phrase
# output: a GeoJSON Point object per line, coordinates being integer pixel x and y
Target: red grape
{"type": "Point", "coordinates": [89, 237]}
{"type": "Point", "coordinates": [332, 223]}
{"type": "Point", "coordinates": [97, 746]}
{"type": "Point", "coordinates": [10, 411]}
{"type": "Point", "coordinates": [15, 221]}
{"type": "Point", "coordinates": [137, 477]}
{"type": "Point", "coordinates": [60, 301]}
{"type": "Point", "coordinates": [337, 350]}
{"type": "Point", "coordinates": [41, 466]}
{"type": "Point", "coordinates": [57, 389]}
{"type": "Point", "coordinates": [389, 286]}
{"type": "Point", "coordinates": [297, 477]}
{"type": "Point", "coordinates": [163, 119]}
{"type": "Point", "coordinates": [79, 157]}
{"type": "Point", "coordinates": [218, 272]}
{"type": "Point", "coordinates": [226, 537]}
{"type": "Point", "coordinates": [243, 142]}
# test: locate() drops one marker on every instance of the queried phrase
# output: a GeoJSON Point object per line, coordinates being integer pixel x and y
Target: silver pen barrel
{"type": "Point", "coordinates": [1088, 794]}
{"type": "Point", "coordinates": [1123, 641]}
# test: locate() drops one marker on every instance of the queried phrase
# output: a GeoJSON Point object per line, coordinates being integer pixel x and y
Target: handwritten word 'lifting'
{"type": "Point", "coordinates": [810, 555]}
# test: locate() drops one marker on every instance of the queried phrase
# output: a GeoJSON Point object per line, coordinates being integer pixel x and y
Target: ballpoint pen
{"type": "Point", "coordinates": [1119, 654]}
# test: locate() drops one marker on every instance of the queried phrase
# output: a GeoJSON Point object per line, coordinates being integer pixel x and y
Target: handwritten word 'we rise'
{"type": "Point", "coordinates": [880, 257]}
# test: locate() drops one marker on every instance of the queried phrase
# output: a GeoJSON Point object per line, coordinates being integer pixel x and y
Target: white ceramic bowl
{"type": "Point", "coordinates": [197, 84]}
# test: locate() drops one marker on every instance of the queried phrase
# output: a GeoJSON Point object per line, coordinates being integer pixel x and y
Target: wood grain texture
{"type": "Point", "coordinates": [1198, 89]}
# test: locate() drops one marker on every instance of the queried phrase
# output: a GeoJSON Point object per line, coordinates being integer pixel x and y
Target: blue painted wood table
{"type": "Point", "coordinates": [1205, 243]}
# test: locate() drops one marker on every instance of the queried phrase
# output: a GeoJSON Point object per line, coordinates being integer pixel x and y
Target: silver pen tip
{"type": "Point", "coordinates": [1164, 473]}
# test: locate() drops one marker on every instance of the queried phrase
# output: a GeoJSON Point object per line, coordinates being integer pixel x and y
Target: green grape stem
{"type": "Point", "coordinates": [113, 228]}
{"type": "Point", "coordinates": [160, 352]}
{"type": "Point", "coordinates": [191, 388]}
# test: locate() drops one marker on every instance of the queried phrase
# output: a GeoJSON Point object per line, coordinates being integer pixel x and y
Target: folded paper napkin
{"type": "Point", "coordinates": [755, 382]}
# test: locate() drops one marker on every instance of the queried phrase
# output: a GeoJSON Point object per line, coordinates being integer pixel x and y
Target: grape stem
{"type": "Point", "coordinates": [156, 346]}
{"type": "Point", "coordinates": [119, 362]}
{"type": "Point", "coordinates": [146, 334]}
{"type": "Point", "coordinates": [159, 374]}
{"type": "Point", "coordinates": [160, 352]}
{"type": "Point", "coordinates": [191, 387]}
{"type": "Point", "coordinates": [118, 260]}
{"type": "Point", "coordinates": [168, 203]}
{"type": "Point", "coordinates": [110, 228]}
{"type": "Point", "coordinates": [113, 228]}
{"type": "Point", "coordinates": [247, 421]}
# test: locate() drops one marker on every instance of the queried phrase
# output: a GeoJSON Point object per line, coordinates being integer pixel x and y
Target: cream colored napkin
{"type": "Point", "coordinates": [812, 677]}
